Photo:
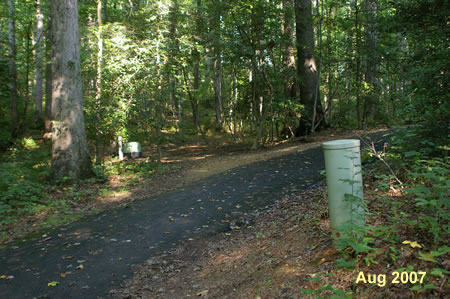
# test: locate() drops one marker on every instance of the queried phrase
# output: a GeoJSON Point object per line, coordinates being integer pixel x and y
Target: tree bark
{"type": "Point", "coordinates": [38, 78]}
{"type": "Point", "coordinates": [217, 61]}
{"type": "Point", "coordinates": [358, 65]}
{"type": "Point", "coordinates": [12, 69]}
{"type": "Point", "coordinates": [218, 86]}
{"type": "Point", "coordinates": [70, 156]}
{"type": "Point", "coordinates": [172, 64]}
{"type": "Point", "coordinates": [98, 86]}
{"type": "Point", "coordinates": [371, 60]}
{"type": "Point", "coordinates": [287, 30]}
{"type": "Point", "coordinates": [307, 69]}
{"type": "Point", "coordinates": [48, 80]}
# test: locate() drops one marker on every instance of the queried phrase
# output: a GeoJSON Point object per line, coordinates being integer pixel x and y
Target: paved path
{"type": "Point", "coordinates": [107, 244]}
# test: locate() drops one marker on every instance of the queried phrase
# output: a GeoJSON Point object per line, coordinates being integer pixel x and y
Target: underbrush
{"type": "Point", "coordinates": [403, 248]}
{"type": "Point", "coordinates": [24, 170]}
{"type": "Point", "coordinates": [29, 203]}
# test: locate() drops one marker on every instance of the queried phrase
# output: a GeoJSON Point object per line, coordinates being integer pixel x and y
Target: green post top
{"type": "Point", "coordinates": [341, 144]}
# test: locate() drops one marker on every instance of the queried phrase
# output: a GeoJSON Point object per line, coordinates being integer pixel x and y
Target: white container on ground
{"type": "Point", "coordinates": [133, 149]}
{"type": "Point", "coordinates": [343, 169]}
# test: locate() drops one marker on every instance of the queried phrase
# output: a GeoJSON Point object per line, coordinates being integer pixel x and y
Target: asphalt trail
{"type": "Point", "coordinates": [106, 245]}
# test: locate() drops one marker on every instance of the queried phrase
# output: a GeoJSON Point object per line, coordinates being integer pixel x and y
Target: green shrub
{"type": "Point", "coordinates": [18, 194]}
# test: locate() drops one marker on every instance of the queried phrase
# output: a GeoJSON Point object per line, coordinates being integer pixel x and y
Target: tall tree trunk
{"type": "Point", "coordinates": [194, 101]}
{"type": "Point", "coordinates": [316, 120]}
{"type": "Point", "coordinates": [358, 65]}
{"type": "Point", "coordinates": [194, 104]}
{"type": "Point", "coordinates": [48, 79]}
{"type": "Point", "coordinates": [98, 85]}
{"type": "Point", "coordinates": [287, 30]}
{"type": "Point", "coordinates": [12, 69]}
{"type": "Point", "coordinates": [27, 82]}
{"type": "Point", "coordinates": [215, 25]}
{"type": "Point", "coordinates": [38, 79]}
{"type": "Point", "coordinates": [307, 69]}
{"type": "Point", "coordinates": [234, 104]}
{"type": "Point", "coordinates": [172, 64]}
{"type": "Point", "coordinates": [70, 156]}
{"type": "Point", "coordinates": [371, 59]}
{"type": "Point", "coordinates": [329, 104]}
{"type": "Point", "coordinates": [218, 86]}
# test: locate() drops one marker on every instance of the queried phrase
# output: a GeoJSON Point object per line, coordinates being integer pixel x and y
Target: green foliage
{"type": "Point", "coordinates": [5, 136]}
{"type": "Point", "coordinates": [23, 175]}
{"type": "Point", "coordinates": [100, 174]}
{"type": "Point", "coordinates": [19, 194]}
{"type": "Point", "coordinates": [325, 288]}
{"type": "Point", "coordinates": [424, 23]}
{"type": "Point", "coordinates": [28, 143]}
{"type": "Point", "coordinates": [142, 168]}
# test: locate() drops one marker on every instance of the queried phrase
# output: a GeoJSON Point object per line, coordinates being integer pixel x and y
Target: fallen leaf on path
{"type": "Point", "coordinates": [203, 293]}
{"type": "Point", "coordinates": [413, 244]}
{"type": "Point", "coordinates": [53, 283]}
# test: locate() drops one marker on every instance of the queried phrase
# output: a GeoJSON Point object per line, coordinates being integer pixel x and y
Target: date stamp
{"type": "Point", "coordinates": [396, 278]}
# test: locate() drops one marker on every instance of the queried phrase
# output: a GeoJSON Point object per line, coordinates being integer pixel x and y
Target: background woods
{"type": "Point", "coordinates": [158, 70]}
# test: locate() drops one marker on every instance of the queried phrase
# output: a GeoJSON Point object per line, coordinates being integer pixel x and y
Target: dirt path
{"type": "Point", "coordinates": [197, 162]}
{"type": "Point", "coordinates": [88, 258]}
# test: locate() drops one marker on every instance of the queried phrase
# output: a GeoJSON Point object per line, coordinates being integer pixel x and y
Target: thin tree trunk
{"type": "Point", "coordinates": [371, 62]}
{"type": "Point", "coordinates": [12, 69]}
{"type": "Point", "coordinates": [98, 85]}
{"type": "Point", "coordinates": [158, 94]}
{"type": "Point", "coordinates": [70, 156]}
{"type": "Point", "coordinates": [319, 67]}
{"type": "Point", "coordinates": [218, 87]}
{"type": "Point", "coordinates": [48, 80]}
{"type": "Point", "coordinates": [27, 81]}
{"type": "Point", "coordinates": [329, 106]}
{"type": "Point", "coordinates": [217, 62]}
{"type": "Point", "coordinates": [38, 79]}
{"type": "Point", "coordinates": [194, 105]}
{"type": "Point", "coordinates": [172, 64]}
{"type": "Point", "coordinates": [287, 30]}
{"type": "Point", "coordinates": [234, 105]}
{"type": "Point", "coordinates": [358, 66]}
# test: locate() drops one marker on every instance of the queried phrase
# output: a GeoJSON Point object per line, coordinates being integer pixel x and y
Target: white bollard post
{"type": "Point", "coordinates": [343, 168]}
{"type": "Point", "coordinates": [120, 148]}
